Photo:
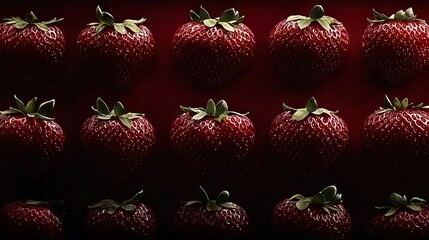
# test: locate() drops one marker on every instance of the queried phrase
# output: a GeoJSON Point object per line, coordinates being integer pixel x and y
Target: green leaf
{"type": "Point", "coordinates": [100, 28]}
{"type": "Point", "coordinates": [318, 199]}
{"type": "Point", "coordinates": [329, 192]}
{"type": "Point", "coordinates": [120, 28]}
{"type": "Point", "coordinates": [397, 200]}
{"type": "Point", "coordinates": [99, 13]}
{"type": "Point", "coordinates": [391, 211]}
{"type": "Point", "coordinates": [189, 203]}
{"type": "Point", "coordinates": [387, 102]}
{"type": "Point", "coordinates": [213, 207]}
{"type": "Point", "coordinates": [227, 26]}
{"type": "Point", "coordinates": [324, 23]}
{"type": "Point", "coordinates": [303, 204]}
{"type": "Point", "coordinates": [300, 114]}
{"type": "Point", "coordinates": [199, 116]}
{"type": "Point", "coordinates": [46, 107]}
{"type": "Point", "coordinates": [112, 209]}
{"type": "Point", "coordinates": [126, 122]}
{"type": "Point", "coordinates": [129, 207]}
{"type": "Point", "coordinates": [202, 195]}
{"type": "Point", "coordinates": [228, 205]}
{"type": "Point", "coordinates": [296, 196]}
{"type": "Point", "coordinates": [399, 15]}
{"type": "Point", "coordinates": [194, 16]}
{"type": "Point", "coordinates": [317, 12]}
{"type": "Point", "coordinates": [41, 26]}
{"type": "Point", "coordinates": [210, 22]}
{"type": "Point", "coordinates": [31, 105]}
{"type": "Point", "coordinates": [417, 199]}
{"type": "Point", "coordinates": [21, 25]}
{"type": "Point", "coordinates": [378, 15]}
{"type": "Point", "coordinates": [221, 108]}
{"type": "Point", "coordinates": [19, 104]}
{"type": "Point", "coordinates": [118, 109]}
{"type": "Point", "coordinates": [239, 20]}
{"type": "Point", "coordinates": [414, 207]}
{"type": "Point", "coordinates": [397, 103]}
{"type": "Point", "coordinates": [223, 197]}
{"type": "Point", "coordinates": [295, 18]}
{"type": "Point", "coordinates": [102, 106]}
{"type": "Point", "coordinates": [325, 208]}
{"type": "Point", "coordinates": [102, 204]}
{"type": "Point", "coordinates": [409, 12]}
{"type": "Point", "coordinates": [305, 22]}
{"type": "Point", "coordinates": [204, 14]}
{"type": "Point", "coordinates": [404, 103]}
{"type": "Point", "coordinates": [227, 15]}
{"type": "Point", "coordinates": [311, 105]}
{"type": "Point", "coordinates": [43, 117]}
{"type": "Point", "coordinates": [210, 107]}
{"type": "Point", "coordinates": [132, 26]}
{"type": "Point", "coordinates": [107, 18]}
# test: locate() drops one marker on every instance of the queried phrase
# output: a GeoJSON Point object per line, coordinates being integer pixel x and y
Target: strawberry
{"type": "Point", "coordinates": [30, 219]}
{"type": "Point", "coordinates": [398, 135]}
{"type": "Point", "coordinates": [308, 49]}
{"type": "Point", "coordinates": [322, 216]}
{"type": "Point", "coordinates": [213, 50]}
{"type": "Point", "coordinates": [309, 140]}
{"type": "Point", "coordinates": [30, 142]}
{"type": "Point", "coordinates": [116, 52]}
{"type": "Point", "coordinates": [212, 140]}
{"type": "Point", "coordinates": [118, 142]}
{"type": "Point", "coordinates": [29, 48]}
{"type": "Point", "coordinates": [396, 47]}
{"type": "Point", "coordinates": [128, 220]}
{"type": "Point", "coordinates": [402, 220]}
{"type": "Point", "coordinates": [211, 219]}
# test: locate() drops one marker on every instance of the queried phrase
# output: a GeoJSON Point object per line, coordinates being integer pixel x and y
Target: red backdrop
{"type": "Point", "coordinates": [261, 90]}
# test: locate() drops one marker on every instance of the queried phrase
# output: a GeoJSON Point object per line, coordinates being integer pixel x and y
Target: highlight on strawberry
{"type": "Point", "coordinates": [322, 216]}
{"type": "Point", "coordinates": [31, 142]}
{"type": "Point", "coordinates": [213, 51]}
{"type": "Point", "coordinates": [309, 140]}
{"type": "Point", "coordinates": [129, 219]}
{"type": "Point", "coordinates": [30, 49]}
{"type": "Point", "coordinates": [402, 219]}
{"type": "Point", "coordinates": [117, 52]}
{"type": "Point", "coordinates": [397, 136]}
{"type": "Point", "coordinates": [211, 219]}
{"type": "Point", "coordinates": [118, 142]}
{"type": "Point", "coordinates": [396, 47]}
{"type": "Point", "coordinates": [307, 50]}
{"type": "Point", "coordinates": [227, 138]}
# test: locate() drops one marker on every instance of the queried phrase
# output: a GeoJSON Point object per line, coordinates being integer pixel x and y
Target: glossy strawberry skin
{"type": "Point", "coordinates": [396, 50]}
{"type": "Point", "coordinates": [29, 53]}
{"type": "Point", "coordinates": [307, 56]}
{"type": "Point", "coordinates": [117, 150]}
{"type": "Point", "coordinates": [404, 224]}
{"type": "Point", "coordinates": [116, 58]}
{"type": "Point", "coordinates": [212, 147]}
{"type": "Point", "coordinates": [195, 222]}
{"type": "Point", "coordinates": [213, 56]}
{"type": "Point", "coordinates": [311, 223]}
{"type": "Point", "coordinates": [30, 147]}
{"type": "Point", "coordinates": [138, 225]}
{"type": "Point", "coordinates": [398, 139]}
{"type": "Point", "coordinates": [309, 146]}
{"type": "Point", "coordinates": [21, 222]}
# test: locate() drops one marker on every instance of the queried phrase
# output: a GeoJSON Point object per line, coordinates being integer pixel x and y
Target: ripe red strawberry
{"type": "Point", "coordinates": [322, 216]}
{"type": "Point", "coordinates": [30, 142]}
{"type": "Point", "coordinates": [398, 135]}
{"type": "Point", "coordinates": [24, 220]}
{"type": "Point", "coordinates": [402, 220]}
{"type": "Point", "coordinates": [396, 47]}
{"type": "Point", "coordinates": [213, 50]}
{"type": "Point", "coordinates": [308, 49]}
{"type": "Point", "coordinates": [29, 48]}
{"type": "Point", "coordinates": [309, 140]}
{"type": "Point", "coordinates": [129, 220]}
{"type": "Point", "coordinates": [212, 140]}
{"type": "Point", "coordinates": [117, 52]}
{"type": "Point", "coordinates": [117, 141]}
{"type": "Point", "coordinates": [211, 219]}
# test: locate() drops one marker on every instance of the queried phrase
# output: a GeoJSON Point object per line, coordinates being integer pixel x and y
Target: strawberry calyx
{"type": "Point", "coordinates": [317, 14]}
{"type": "Point", "coordinates": [327, 199]}
{"type": "Point", "coordinates": [218, 111]}
{"type": "Point", "coordinates": [399, 202]}
{"type": "Point", "coordinates": [20, 23]}
{"type": "Point", "coordinates": [401, 15]}
{"type": "Point", "coordinates": [107, 20]}
{"type": "Point", "coordinates": [55, 206]}
{"type": "Point", "coordinates": [229, 19]}
{"type": "Point", "coordinates": [399, 105]}
{"type": "Point", "coordinates": [213, 205]}
{"type": "Point", "coordinates": [310, 108]}
{"type": "Point", "coordinates": [111, 206]}
{"type": "Point", "coordinates": [29, 109]}
{"type": "Point", "coordinates": [118, 112]}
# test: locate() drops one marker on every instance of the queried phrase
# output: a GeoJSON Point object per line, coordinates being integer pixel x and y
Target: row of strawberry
{"type": "Point", "coordinates": [213, 140]}
{"type": "Point", "coordinates": [305, 49]}
{"type": "Point", "coordinates": [322, 216]}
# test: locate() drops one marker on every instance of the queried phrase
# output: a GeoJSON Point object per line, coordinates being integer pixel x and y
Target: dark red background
{"type": "Point", "coordinates": [262, 182]}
